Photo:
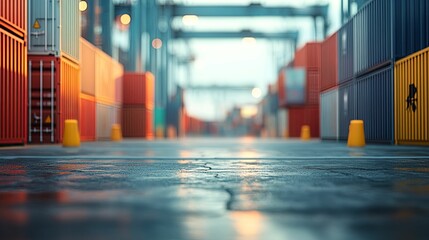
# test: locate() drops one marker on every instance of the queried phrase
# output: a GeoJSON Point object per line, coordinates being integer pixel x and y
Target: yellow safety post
{"type": "Point", "coordinates": [159, 132]}
{"type": "Point", "coordinates": [305, 132]}
{"type": "Point", "coordinates": [71, 137]}
{"type": "Point", "coordinates": [356, 134]}
{"type": "Point", "coordinates": [116, 133]}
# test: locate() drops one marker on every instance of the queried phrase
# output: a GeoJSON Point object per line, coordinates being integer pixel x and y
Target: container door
{"type": "Point", "coordinates": [41, 95]}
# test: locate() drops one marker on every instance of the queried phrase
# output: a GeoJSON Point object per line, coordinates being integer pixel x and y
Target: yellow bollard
{"type": "Point", "coordinates": [356, 134]}
{"type": "Point", "coordinates": [305, 132]}
{"type": "Point", "coordinates": [159, 132]}
{"type": "Point", "coordinates": [71, 137]}
{"type": "Point", "coordinates": [116, 133]}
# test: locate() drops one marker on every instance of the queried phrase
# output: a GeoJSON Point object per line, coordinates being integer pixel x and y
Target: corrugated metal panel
{"type": "Point", "coordinates": [313, 86]}
{"type": "Point", "coordinates": [88, 67]}
{"type": "Point", "coordinates": [329, 69]}
{"type": "Point", "coordinates": [137, 121]}
{"type": "Point", "coordinates": [139, 89]}
{"type": "Point", "coordinates": [13, 15]}
{"type": "Point", "coordinates": [281, 87]}
{"type": "Point", "coordinates": [412, 99]}
{"type": "Point", "coordinates": [375, 105]}
{"type": "Point", "coordinates": [87, 118]}
{"type": "Point", "coordinates": [345, 52]}
{"type": "Point", "coordinates": [13, 89]}
{"type": "Point", "coordinates": [55, 96]}
{"type": "Point", "coordinates": [329, 114]}
{"type": "Point", "coordinates": [106, 116]}
{"type": "Point", "coordinates": [54, 31]}
{"type": "Point", "coordinates": [309, 56]}
{"type": "Point", "coordinates": [346, 108]}
{"type": "Point", "coordinates": [299, 116]}
{"type": "Point", "coordinates": [411, 27]}
{"type": "Point", "coordinates": [372, 36]}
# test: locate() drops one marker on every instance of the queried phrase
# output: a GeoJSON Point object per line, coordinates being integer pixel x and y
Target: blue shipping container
{"type": "Point", "coordinates": [411, 26]}
{"type": "Point", "coordinates": [372, 36]}
{"type": "Point", "coordinates": [329, 114]}
{"type": "Point", "coordinates": [346, 108]}
{"type": "Point", "coordinates": [345, 52]}
{"type": "Point", "coordinates": [375, 105]}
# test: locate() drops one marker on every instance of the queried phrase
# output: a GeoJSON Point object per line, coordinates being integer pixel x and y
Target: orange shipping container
{"type": "Point", "coordinates": [13, 89]}
{"type": "Point", "coordinates": [139, 89]}
{"type": "Point", "coordinates": [88, 67]}
{"type": "Point", "coordinates": [55, 96]}
{"type": "Point", "coordinates": [137, 122]}
{"type": "Point", "coordinates": [87, 118]}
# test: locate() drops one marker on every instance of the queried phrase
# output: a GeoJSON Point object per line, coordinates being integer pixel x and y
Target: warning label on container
{"type": "Point", "coordinates": [36, 24]}
{"type": "Point", "coordinates": [48, 119]}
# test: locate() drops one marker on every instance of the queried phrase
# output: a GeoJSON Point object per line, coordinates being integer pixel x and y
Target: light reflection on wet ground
{"type": "Point", "coordinates": [191, 190]}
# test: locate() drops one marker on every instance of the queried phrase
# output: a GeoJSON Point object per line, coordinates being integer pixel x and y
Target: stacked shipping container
{"type": "Point", "coordinates": [138, 105]}
{"type": "Point", "coordinates": [13, 72]}
{"type": "Point", "coordinates": [101, 93]}
{"type": "Point", "coordinates": [301, 97]}
{"type": "Point", "coordinates": [54, 70]}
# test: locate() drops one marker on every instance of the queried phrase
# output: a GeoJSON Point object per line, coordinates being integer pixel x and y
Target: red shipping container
{"type": "Point", "coordinates": [306, 115]}
{"type": "Point", "coordinates": [87, 118]}
{"type": "Point", "coordinates": [329, 70]}
{"type": "Point", "coordinates": [137, 122]}
{"type": "Point", "coordinates": [55, 96]}
{"type": "Point", "coordinates": [13, 16]}
{"type": "Point", "coordinates": [139, 89]}
{"type": "Point", "coordinates": [13, 89]}
{"type": "Point", "coordinates": [309, 56]}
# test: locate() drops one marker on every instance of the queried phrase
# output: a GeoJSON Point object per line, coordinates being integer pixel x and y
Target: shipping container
{"type": "Point", "coordinates": [87, 119]}
{"type": "Point", "coordinates": [309, 56]}
{"type": "Point", "coordinates": [329, 114]}
{"type": "Point", "coordinates": [346, 108]}
{"type": "Point", "coordinates": [105, 82]}
{"type": "Point", "coordinates": [106, 116]}
{"type": "Point", "coordinates": [13, 16]}
{"type": "Point", "coordinates": [118, 75]}
{"type": "Point", "coordinates": [329, 63]}
{"type": "Point", "coordinates": [411, 99]}
{"type": "Point", "coordinates": [300, 87]}
{"type": "Point", "coordinates": [137, 122]}
{"type": "Point", "coordinates": [88, 67]}
{"type": "Point", "coordinates": [306, 115]}
{"type": "Point", "coordinates": [54, 90]}
{"type": "Point", "coordinates": [411, 26]}
{"type": "Point", "coordinates": [139, 89]}
{"type": "Point", "coordinates": [54, 28]}
{"type": "Point", "coordinates": [374, 96]}
{"type": "Point", "coordinates": [372, 36]}
{"type": "Point", "coordinates": [345, 52]}
{"type": "Point", "coordinates": [13, 89]}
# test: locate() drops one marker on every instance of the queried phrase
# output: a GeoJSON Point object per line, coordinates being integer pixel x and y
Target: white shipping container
{"type": "Point", "coordinates": [329, 115]}
{"type": "Point", "coordinates": [106, 116]}
{"type": "Point", "coordinates": [54, 27]}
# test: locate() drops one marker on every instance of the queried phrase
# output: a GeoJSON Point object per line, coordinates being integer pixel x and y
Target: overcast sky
{"type": "Point", "coordinates": [231, 62]}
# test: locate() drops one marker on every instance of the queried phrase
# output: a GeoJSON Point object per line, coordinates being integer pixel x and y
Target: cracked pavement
{"type": "Point", "coordinates": [214, 189]}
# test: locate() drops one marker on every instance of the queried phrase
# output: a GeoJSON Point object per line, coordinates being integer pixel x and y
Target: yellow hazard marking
{"type": "Point", "coordinates": [36, 25]}
{"type": "Point", "coordinates": [48, 119]}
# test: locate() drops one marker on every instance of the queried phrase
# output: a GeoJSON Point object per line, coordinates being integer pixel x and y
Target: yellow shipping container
{"type": "Point", "coordinates": [411, 99]}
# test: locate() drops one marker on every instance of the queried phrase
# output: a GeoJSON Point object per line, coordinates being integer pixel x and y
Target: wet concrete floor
{"type": "Point", "coordinates": [214, 189]}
